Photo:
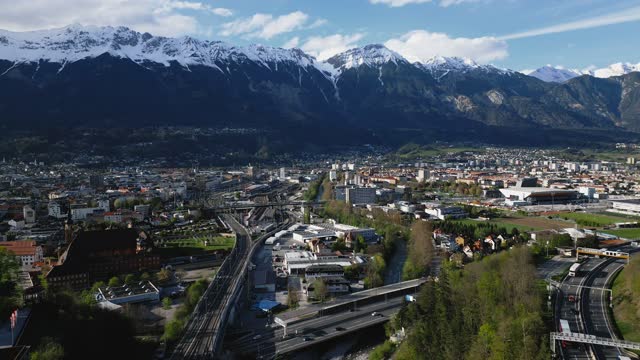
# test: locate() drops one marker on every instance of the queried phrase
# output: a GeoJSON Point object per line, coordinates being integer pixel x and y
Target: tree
{"type": "Point", "coordinates": [164, 275]}
{"type": "Point", "coordinates": [114, 281]}
{"type": "Point", "coordinates": [166, 303]}
{"type": "Point", "coordinates": [173, 330]}
{"type": "Point", "coordinates": [590, 241]}
{"type": "Point", "coordinates": [307, 216]}
{"type": "Point", "coordinates": [129, 279]}
{"type": "Point", "coordinates": [49, 350]}
{"type": "Point", "coordinates": [320, 291]}
{"type": "Point", "coordinates": [145, 276]}
{"type": "Point", "coordinates": [360, 245]}
{"type": "Point", "coordinates": [292, 298]}
{"type": "Point", "coordinates": [420, 246]}
{"type": "Point", "coordinates": [10, 294]}
{"type": "Point", "coordinates": [339, 245]}
{"type": "Point", "coordinates": [375, 269]}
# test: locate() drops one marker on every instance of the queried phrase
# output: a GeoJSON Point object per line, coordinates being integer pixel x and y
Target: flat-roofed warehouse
{"type": "Point", "coordinates": [626, 206]}
{"type": "Point", "coordinates": [538, 195]}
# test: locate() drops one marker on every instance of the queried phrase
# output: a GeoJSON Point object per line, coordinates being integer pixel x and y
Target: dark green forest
{"type": "Point", "coordinates": [491, 309]}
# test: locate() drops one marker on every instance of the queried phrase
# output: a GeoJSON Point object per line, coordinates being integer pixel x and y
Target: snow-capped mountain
{"type": "Point", "coordinates": [556, 74]}
{"type": "Point", "coordinates": [372, 55]}
{"type": "Point", "coordinates": [559, 74]}
{"type": "Point", "coordinates": [77, 42]}
{"type": "Point", "coordinates": [616, 69]}
{"type": "Point", "coordinates": [113, 76]}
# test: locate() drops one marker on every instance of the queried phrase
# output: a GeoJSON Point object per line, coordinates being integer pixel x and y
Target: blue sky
{"type": "Point", "coordinates": [516, 34]}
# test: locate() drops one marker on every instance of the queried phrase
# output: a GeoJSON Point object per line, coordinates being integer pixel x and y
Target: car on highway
{"type": "Point", "coordinates": [257, 337]}
{"type": "Point", "coordinates": [307, 338]}
{"type": "Point", "coordinates": [571, 298]}
{"type": "Point", "coordinates": [374, 314]}
{"type": "Point", "coordinates": [340, 328]}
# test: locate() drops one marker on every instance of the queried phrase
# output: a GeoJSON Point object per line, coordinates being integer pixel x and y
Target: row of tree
{"type": "Point", "coordinates": [420, 251]}
{"type": "Point", "coordinates": [10, 291]}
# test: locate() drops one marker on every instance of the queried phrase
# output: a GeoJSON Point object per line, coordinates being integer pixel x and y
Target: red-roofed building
{"type": "Point", "coordinates": [26, 250]}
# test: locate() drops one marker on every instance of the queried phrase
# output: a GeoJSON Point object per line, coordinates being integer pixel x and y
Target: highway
{"type": "Point", "coordinates": [589, 313]}
{"type": "Point", "coordinates": [595, 305]}
{"type": "Point", "coordinates": [270, 341]}
{"type": "Point", "coordinates": [567, 309]}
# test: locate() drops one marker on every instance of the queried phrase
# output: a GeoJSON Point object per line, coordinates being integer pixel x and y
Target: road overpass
{"type": "Point", "coordinates": [349, 302]}
{"type": "Point", "coordinates": [248, 206]}
{"type": "Point", "coordinates": [320, 323]}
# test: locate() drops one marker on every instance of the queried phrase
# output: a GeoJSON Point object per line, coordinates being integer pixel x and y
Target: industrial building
{"type": "Point", "coordinates": [142, 291]}
{"type": "Point", "coordinates": [516, 196]}
{"type": "Point", "coordinates": [631, 206]}
{"type": "Point", "coordinates": [297, 262]}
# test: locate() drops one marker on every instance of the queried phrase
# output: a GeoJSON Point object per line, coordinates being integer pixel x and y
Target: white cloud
{"type": "Point", "coordinates": [222, 12]}
{"type": "Point", "coordinates": [628, 15]}
{"type": "Point", "coordinates": [198, 6]}
{"type": "Point", "coordinates": [447, 3]}
{"type": "Point", "coordinates": [420, 45]}
{"type": "Point", "coordinates": [293, 42]}
{"type": "Point", "coordinates": [325, 47]}
{"type": "Point", "coordinates": [266, 26]}
{"type": "Point", "coordinates": [160, 17]}
{"type": "Point", "coordinates": [398, 3]}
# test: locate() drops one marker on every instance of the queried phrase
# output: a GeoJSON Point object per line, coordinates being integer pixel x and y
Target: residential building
{"type": "Point", "coordinates": [27, 251]}
{"type": "Point", "coordinates": [360, 195]}
{"type": "Point", "coordinates": [28, 214]}
{"type": "Point", "coordinates": [55, 210]}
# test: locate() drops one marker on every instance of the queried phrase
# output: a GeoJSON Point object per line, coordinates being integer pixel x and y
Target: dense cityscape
{"type": "Point", "coordinates": [267, 262]}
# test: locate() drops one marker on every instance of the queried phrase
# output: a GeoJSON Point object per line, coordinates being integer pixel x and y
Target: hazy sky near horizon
{"type": "Point", "coordinates": [516, 34]}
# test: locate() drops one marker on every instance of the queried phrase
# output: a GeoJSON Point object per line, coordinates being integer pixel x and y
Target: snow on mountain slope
{"type": "Point", "coordinates": [556, 74]}
{"type": "Point", "coordinates": [559, 74]}
{"type": "Point", "coordinates": [372, 55]}
{"type": "Point", "coordinates": [616, 69]}
{"type": "Point", "coordinates": [76, 42]}
{"type": "Point", "coordinates": [439, 66]}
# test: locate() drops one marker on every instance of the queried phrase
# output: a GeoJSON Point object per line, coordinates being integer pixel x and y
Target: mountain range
{"type": "Point", "coordinates": [560, 74]}
{"type": "Point", "coordinates": [114, 77]}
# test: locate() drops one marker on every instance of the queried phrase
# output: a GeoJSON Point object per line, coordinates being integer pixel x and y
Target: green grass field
{"type": "Point", "coordinates": [597, 220]}
{"type": "Point", "coordinates": [625, 233]}
{"type": "Point", "coordinates": [625, 302]}
{"type": "Point", "coordinates": [195, 245]}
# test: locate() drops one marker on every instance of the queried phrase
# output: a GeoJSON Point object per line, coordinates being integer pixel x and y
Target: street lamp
{"type": "Point", "coordinates": [547, 248]}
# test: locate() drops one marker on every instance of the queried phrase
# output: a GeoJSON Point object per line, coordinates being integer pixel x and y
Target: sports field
{"type": "Point", "coordinates": [597, 220]}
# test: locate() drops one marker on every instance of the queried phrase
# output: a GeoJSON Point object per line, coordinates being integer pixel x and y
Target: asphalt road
{"type": "Point", "coordinates": [553, 266]}
{"type": "Point", "coordinates": [590, 313]}
{"type": "Point", "coordinates": [595, 307]}
{"type": "Point", "coordinates": [569, 310]}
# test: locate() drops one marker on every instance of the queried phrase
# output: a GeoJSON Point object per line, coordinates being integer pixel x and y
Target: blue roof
{"type": "Point", "coordinates": [266, 305]}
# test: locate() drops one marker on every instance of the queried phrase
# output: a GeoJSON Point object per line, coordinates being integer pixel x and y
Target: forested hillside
{"type": "Point", "coordinates": [492, 309]}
